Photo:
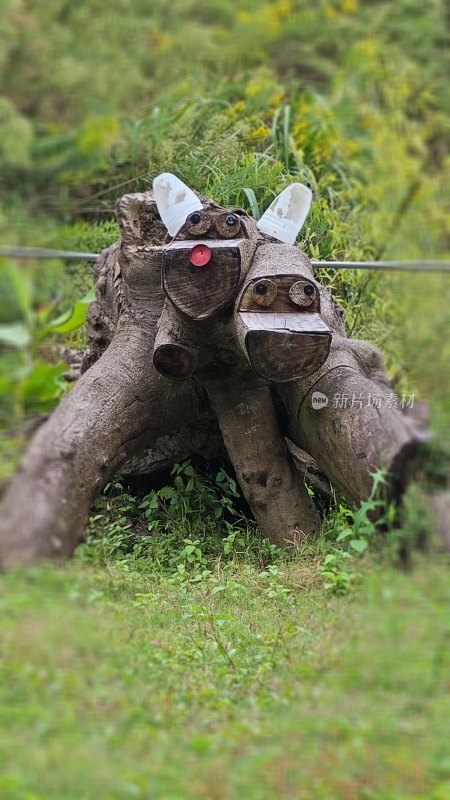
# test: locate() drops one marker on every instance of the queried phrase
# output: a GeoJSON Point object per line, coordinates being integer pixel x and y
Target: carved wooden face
{"type": "Point", "coordinates": [212, 223]}
{"type": "Point", "coordinates": [284, 334]}
{"type": "Point", "coordinates": [278, 318]}
{"type": "Point", "coordinates": [201, 276]}
{"type": "Point", "coordinates": [210, 252]}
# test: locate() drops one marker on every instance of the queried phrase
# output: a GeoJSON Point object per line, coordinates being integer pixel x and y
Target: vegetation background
{"type": "Point", "coordinates": [192, 660]}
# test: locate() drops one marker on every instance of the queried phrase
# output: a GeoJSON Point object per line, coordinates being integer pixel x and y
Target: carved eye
{"type": "Point", "coordinates": [302, 293]}
{"type": "Point", "coordinates": [197, 224]}
{"type": "Point", "coordinates": [228, 225]}
{"type": "Point", "coordinates": [264, 292]}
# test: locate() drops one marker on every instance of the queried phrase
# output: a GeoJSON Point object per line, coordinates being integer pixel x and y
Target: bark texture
{"type": "Point", "coordinates": [272, 487]}
{"type": "Point", "coordinates": [173, 373]}
{"type": "Point", "coordinates": [120, 405]}
{"type": "Point", "coordinates": [360, 428]}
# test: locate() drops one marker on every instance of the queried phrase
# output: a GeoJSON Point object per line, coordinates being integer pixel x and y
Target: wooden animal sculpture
{"type": "Point", "coordinates": [210, 332]}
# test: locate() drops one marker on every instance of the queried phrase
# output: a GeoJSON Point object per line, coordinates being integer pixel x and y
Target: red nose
{"type": "Point", "coordinates": [200, 255]}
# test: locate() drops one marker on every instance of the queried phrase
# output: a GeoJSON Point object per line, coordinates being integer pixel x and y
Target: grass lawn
{"type": "Point", "coordinates": [166, 663]}
{"type": "Point", "coordinates": [255, 683]}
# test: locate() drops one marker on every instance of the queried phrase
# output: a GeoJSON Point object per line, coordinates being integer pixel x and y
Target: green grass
{"type": "Point", "coordinates": [200, 662]}
{"type": "Point", "coordinates": [119, 684]}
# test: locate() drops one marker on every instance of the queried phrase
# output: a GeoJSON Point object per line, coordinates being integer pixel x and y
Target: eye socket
{"type": "Point", "coordinates": [231, 219]}
{"type": "Point", "coordinates": [228, 225]}
{"type": "Point", "coordinates": [302, 293]}
{"type": "Point", "coordinates": [264, 292]}
{"type": "Point", "coordinates": [198, 224]}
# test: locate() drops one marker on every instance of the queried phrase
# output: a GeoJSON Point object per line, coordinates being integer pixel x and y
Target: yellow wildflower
{"type": "Point", "coordinates": [254, 88]}
{"type": "Point", "coordinates": [261, 132]}
{"type": "Point", "coordinates": [276, 99]}
{"type": "Point", "coordinates": [272, 19]}
{"type": "Point", "coordinates": [237, 107]}
{"type": "Point", "coordinates": [367, 48]}
{"type": "Point", "coordinates": [371, 120]}
{"type": "Point", "coordinates": [284, 8]}
{"type": "Point", "coordinates": [350, 147]}
{"type": "Point", "coordinates": [349, 6]}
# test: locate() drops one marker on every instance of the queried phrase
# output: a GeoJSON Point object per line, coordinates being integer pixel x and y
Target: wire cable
{"type": "Point", "coordinates": [414, 266]}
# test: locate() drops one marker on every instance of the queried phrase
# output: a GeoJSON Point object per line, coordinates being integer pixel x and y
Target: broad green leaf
{"type": "Point", "coordinates": [23, 289]}
{"type": "Point", "coordinates": [89, 297]}
{"type": "Point", "coordinates": [43, 385]}
{"type": "Point", "coordinates": [345, 534]}
{"type": "Point", "coordinates": [359, 545]}
{"type": "Point", "coordinates": [71, 320]}
{"type": "Point", "coordinates": [15, 334]}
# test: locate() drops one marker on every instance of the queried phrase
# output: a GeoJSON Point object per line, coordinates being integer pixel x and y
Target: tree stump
{"type": "Point", "coordinates": [195, 342]}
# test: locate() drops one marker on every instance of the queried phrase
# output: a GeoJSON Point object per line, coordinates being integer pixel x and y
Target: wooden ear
{"type": "Point", "coordinates": [285, 216]}
{"type": "Point", "coordinates": [175, 201]}
{"type": "Point", "coordinates": [139, 221]}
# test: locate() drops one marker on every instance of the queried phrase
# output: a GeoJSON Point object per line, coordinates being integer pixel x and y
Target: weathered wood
{"type": "Point", "coordinates": [225, 367]}
{"type": "Point", "coordinates": [357, 429]}
{"type": "Point", "coordinates": [174, 355]}
{"type": "Point", "coordinates": [293, 323]}
{"type": "Point", "coordinates": [277, 316]}
{"type": "Point", "coordinates": [215, 222]}
{"type": "Point", "coordinates": [309, 470]}
{"type": "Point", "coordinates": [277, 355]}
{"type": "Point", "coordinates": [201, 438]}
{"type": "Point", "coordinates": [120, 405]}
{"type": "Point", "coordinates": [200, 289]}
{"type": "Point", "coordinates": [283, 295]}
{"type": "Point", "coordinates": [272, 487]}
{"type": "Point", "coordinates": [174, 361]}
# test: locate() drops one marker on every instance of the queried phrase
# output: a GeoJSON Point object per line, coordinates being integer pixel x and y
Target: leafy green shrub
{"type": "Point", "coordinates": [191, 528]}
{"type": "Point", "coordinates": [31, 370]}
{"type": "Point", "coordinates": [180, 529]}
{"type": "Point", "coordinates": [348, 533]}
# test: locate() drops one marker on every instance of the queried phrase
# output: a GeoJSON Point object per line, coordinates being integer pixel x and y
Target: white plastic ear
{"type": "Point", "coordinates": [175, 201]}
{"type": "Point", "coordinates": [285, 216]}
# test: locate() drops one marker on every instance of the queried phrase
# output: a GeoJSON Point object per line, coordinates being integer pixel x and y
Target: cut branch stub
{"type": "Point", "coordinates": [200, 278]}
{"type": "Point", "coordinates": [175, 352]}
{"type": "Point", "coordinates": [278, 318]}
{"type": "Point", "coordinates": [174, 361]}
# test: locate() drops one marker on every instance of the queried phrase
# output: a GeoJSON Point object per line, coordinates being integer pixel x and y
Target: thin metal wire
{"type": "Point", "coordinates": [414, 266]}
{"type": "Point", "coordinates": [44, 252]}
{"type": "Point", "coordinates": [418, 266]}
